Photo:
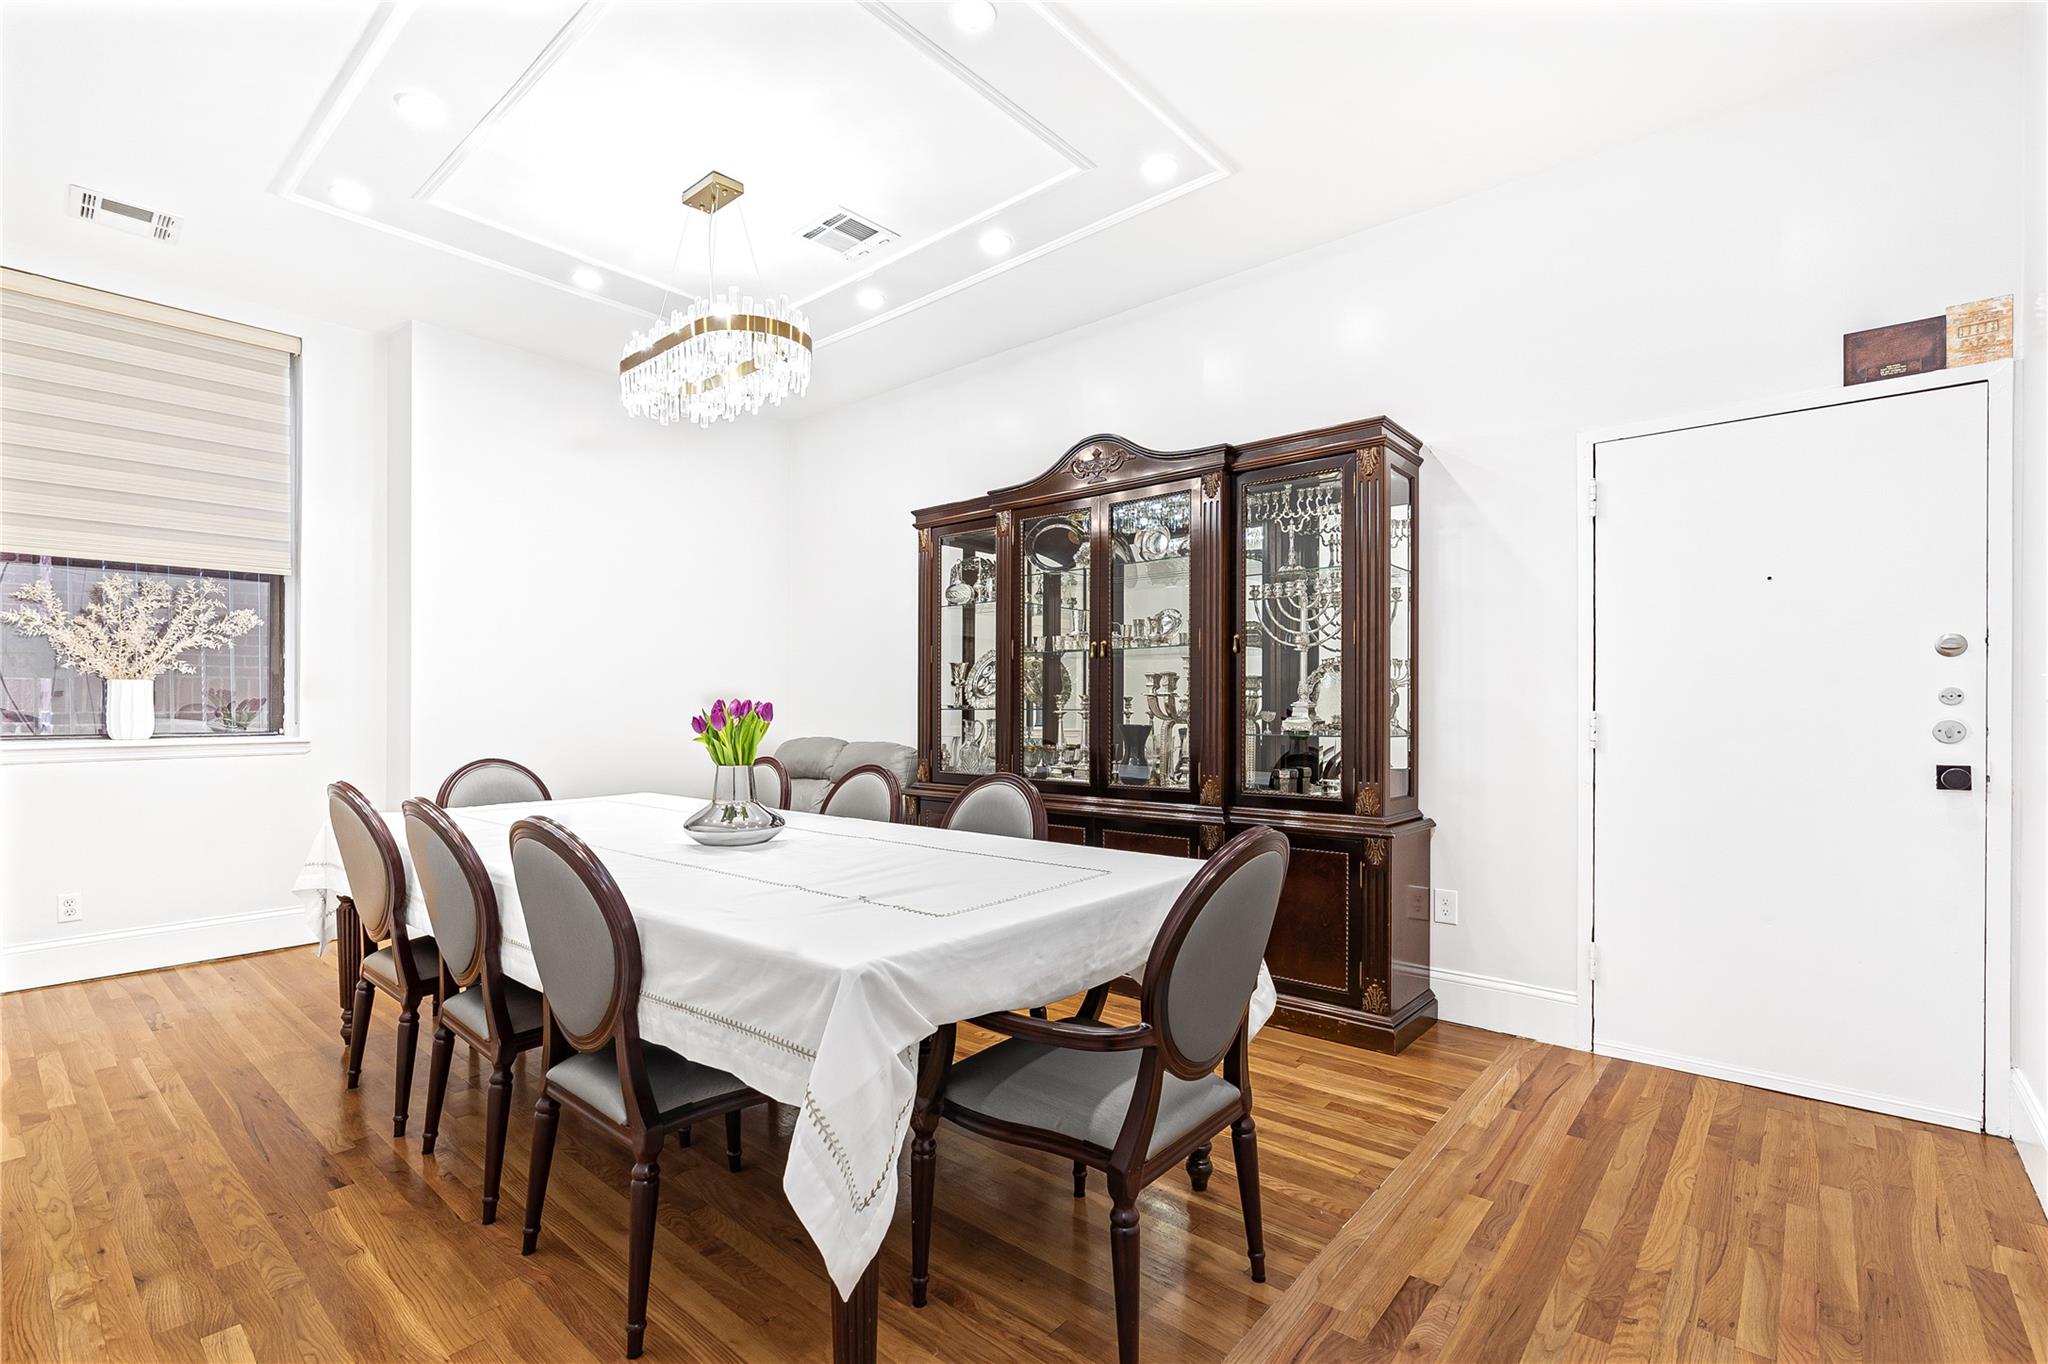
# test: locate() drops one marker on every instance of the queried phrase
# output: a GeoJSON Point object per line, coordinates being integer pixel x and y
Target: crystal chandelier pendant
{"type": "Point", "coordinates": [723, 355]}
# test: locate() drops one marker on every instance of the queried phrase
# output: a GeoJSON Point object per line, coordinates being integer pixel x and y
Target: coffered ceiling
{"type": "Point", "coordinates": [514, 169]}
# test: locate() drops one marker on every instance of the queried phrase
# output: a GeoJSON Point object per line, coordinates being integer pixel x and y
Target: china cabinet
{"type": "Point", "coordinates": [1177, 645]}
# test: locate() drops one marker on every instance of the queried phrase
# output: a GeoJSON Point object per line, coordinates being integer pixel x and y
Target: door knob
{"type": "Point", "coordinates": [1948, 646]}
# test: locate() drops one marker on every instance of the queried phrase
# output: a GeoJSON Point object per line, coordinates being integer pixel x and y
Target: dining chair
{"type": "Point", "coordinates": [409, 969]}
{"type": "Point", "coordinates": [491, 781]}
{"type": "Point", "coordinates": [637, 1093]}
{"type": "Point", "coordinates": [1133, 1101]}
{"type": "Point", "coordinates": [498, 1018]}
{"type": "Point", "coordinates": [771, 783]}
{"type": "Point", "coordinates": [869, 791]}
{"type": "Point", "coordinates": [1001, 803]}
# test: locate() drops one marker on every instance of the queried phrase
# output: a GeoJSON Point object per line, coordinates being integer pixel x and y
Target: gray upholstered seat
{"type": "Point", "coordinates": [491, 781]}
{"type": "Point", "coordinates": [382, 966]}
{"type": "Point", "coordinates": [677, 1081]}
{"type": "Point", "coordinates": [814, 763]}
{"type": "Point", "coordinates": [522, 1006]}
{"type": "Point", "coordinates": [864, 793]}
{"type": "Point", "coordinates": [1081, 1094]}
{"type": "Point", "coordinates": [1000, 805]}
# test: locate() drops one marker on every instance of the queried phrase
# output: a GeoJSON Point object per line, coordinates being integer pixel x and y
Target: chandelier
{"type": "Point", "coordinates": [723, 355]}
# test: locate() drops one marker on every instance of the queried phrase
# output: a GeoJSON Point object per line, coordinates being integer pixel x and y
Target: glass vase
{"type": "Point", "coordinates": [733, 818]}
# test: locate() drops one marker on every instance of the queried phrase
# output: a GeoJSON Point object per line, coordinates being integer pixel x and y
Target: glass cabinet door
{"type": "Point", "coordinates": [1291, 689]}
{"type": "Point", "coordinates": [1151, 678]}
{"type": "Point", "coordinates": [966, 681]}
{"type": "Point", "coordinates": [1400, 635]}
{"type": "Point", "coordinates": [1052, 666]}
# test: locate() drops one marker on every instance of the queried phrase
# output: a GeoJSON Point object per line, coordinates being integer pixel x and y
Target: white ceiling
{"type": "Point", "coordinates": [571, 131]}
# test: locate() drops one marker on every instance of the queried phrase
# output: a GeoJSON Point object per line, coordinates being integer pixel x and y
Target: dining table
{"type": "Point", "coordinates": [814, 965]}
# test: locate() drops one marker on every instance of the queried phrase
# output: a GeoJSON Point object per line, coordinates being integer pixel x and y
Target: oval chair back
{"type": "Point", "coordinates": [869, 791]}
{"type": "Point", "coordinates": [491, 781]}
{"type": "Point", "coordinates": [1205, 962]}
{"type": "Point", "coordinates": [771, 783]}
{"type": "Point", "coordinates": [460, 902]}
{"type": "Point", "coordinates": [1001, 803]}
{"type": "Point", "coordinates": [376, 873]}
{"type": "Point", "coordinates": [584, 939]}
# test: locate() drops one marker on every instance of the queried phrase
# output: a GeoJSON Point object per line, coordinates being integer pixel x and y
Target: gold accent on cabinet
{"type": "Point", "coordinates": [1212, 485]}
{"type": "Point", "coordinates": [924, 770]}
{"type": "Point", "coordinates": [1002, 524]}
{"type": "Point", "coordinates": [1369, 799]}
{"type": "Point", "coordinates": [924, 539]}
{"type": "Point", "coordinates": [1376, 851]}
{"type": "Point", "coordinates": [1212, 790]}
{"type": "Point", "coordinates": [1369, 462]}
{"type": "Point", "coordinates": [1212, 838]}
{"type": "Point", "coordinates": [1096, 463]}
{"type": "Point", "coordinates": [1376, 999]}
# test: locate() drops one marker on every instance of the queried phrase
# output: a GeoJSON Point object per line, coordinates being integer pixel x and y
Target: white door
{"type": "Point", "coordinates": [1782, 894]}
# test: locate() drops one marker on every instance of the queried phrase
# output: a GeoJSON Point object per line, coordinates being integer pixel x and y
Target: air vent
{"type": "Point", "coordinates": [93, 207]}
{"type": "Point", "coordinates": [847, 234]}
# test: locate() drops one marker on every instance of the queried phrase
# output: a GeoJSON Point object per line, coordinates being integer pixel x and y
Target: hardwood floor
{"type": "Point", "coordinates": [1577, 1207]}
{"type": "Point", "coordinates": [183, 1176]}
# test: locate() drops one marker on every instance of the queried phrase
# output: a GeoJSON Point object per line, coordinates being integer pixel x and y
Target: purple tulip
{"type": "Point", "coordinates": [697, 723]}
{"type": "Point", "coordinates": [767, 711]}
{"type": "Point", "coordinates": [718, 715]}
{"type": "Point", "coordinates": [743, 709]}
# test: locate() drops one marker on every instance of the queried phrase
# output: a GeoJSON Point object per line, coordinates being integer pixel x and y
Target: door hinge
{"type": "Point", "coordinates": [1592, 497]}
{"type": "Point", "coordinates": [1592, 729]}
{"type": "Point", "coordinates": [1592, 961]}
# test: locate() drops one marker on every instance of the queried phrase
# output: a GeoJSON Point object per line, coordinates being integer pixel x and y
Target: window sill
{"type": "Point", "coordinates": [18, 752]}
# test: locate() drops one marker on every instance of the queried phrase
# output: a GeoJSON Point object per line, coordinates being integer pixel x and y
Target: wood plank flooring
{"type": "Point", "coordinates": [1576, 1207]}
{"type": "Point", "coordinates": [184, 1177]}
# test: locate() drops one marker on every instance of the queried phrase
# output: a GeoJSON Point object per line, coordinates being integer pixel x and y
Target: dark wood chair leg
{"type": "Point", "coordinates": [359, 1029]}
{"type": "Point", "coordinates": [408, 1048]}
{"type": "Point", "coordinates": [640, 1260]}
{"type": "Point", "coordinates": [1123, 1259]}
{"type": "Point", "coordinates": [1244, 1144]}
{"type": "Point", "coordinates": [547, 1115]}
{"type": "Point", "coordinates": [1199, 1168]}
{"type": "Point", "coordinates": [732, 1141]}
{"type": "Point", "coordinates": [497, 1112]}
{"type": "Point", "coordinates": [348, 957]}
{"type": "Point", "coordinates": [1038, 1012]}
{"type": "Point", "coordinates": [924, 1171]}
{"type": "Point", "coordinates": [1080, 1180]}
{"type": "Point", "coordinates": [437, 1085]}
{"type": "Point", "coordinates": [683, 1135]}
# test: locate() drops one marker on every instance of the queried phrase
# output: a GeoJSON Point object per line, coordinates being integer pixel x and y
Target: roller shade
{"type": "Point", "coordinates": [141, 434]}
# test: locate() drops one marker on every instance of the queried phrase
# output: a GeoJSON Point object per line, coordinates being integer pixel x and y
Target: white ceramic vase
{"type": "Point", "coordinates": [131, 708]}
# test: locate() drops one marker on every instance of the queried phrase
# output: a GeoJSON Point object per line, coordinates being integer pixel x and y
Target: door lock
{"type": "Point", "coordinates": [1951, 731]}
{"type": "Point", "coordinates": [1951, 777]}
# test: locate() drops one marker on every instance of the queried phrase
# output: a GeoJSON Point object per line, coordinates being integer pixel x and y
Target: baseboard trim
{"type": "Point", "coordinates": [2030, 1134]}
{"type": "Point", "coordinates": [59, 961]}
{"type": "Point", "coordinates": [1510, 1006]}
{"type": "Point", "coordinates": [1786, 1084]}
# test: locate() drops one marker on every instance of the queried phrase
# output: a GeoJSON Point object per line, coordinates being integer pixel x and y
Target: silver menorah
{"type": "Point", "coordinates": [1169, 713]}
{"type": "Point", "coordinates": [1301, 613]}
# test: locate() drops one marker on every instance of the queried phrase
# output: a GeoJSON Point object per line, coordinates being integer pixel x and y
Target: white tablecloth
{"type": "Point", "coordinates": [812, 966]}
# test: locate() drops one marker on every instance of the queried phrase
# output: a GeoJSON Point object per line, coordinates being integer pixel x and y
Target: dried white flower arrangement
{"type": "Point", "coordinates": [129, 630]}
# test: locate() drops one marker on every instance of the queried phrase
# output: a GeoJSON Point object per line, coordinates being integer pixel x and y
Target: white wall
{"type": "Point", "coordinates": [1718, 262]}
{"type": "Point", "coordinates": [183, 858]}
{"type": "Point", "coordinates": [580, 582]}
{"type": "Point", "coordinates": [2030, 691]}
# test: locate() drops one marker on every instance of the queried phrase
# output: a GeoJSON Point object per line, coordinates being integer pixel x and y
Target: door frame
{"type": "Point", "coordinates": [2001, 512]}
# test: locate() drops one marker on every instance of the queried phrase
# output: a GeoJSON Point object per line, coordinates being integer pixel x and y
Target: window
{"type": "Point", "coordinates": [154, 443]}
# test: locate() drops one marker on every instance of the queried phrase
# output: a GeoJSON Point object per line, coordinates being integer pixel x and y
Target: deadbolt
{"type": "Point", "coordinates": [1948, 646]}
{"type": "Point", "coordinates": [1951, 731]}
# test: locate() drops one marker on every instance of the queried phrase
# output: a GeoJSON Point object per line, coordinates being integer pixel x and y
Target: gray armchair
{"type": "Point", "coordinates": [814, 764]}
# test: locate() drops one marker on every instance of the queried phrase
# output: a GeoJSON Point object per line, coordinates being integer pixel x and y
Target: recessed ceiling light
{"type": "Point", "coordinates": [583, 277]}
{"type": "Point", "coordinates": [995, 242]}
{"type": "Point", "coordinates": [351, 195]}
{"type": "Point", "coordinates": [420, 109]}
{"type": "Point", "coordinates": [973, 16]}
{"type": "Point", "coordinates": [871, 299]}
{"type": "Point", "coordinates": [1159, 168]}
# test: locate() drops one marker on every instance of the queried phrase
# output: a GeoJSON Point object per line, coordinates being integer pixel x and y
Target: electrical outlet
{"type": "Point", "coordinates": [1445, 907]}
{"type": "Point", "coordinates": [70, 907]}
